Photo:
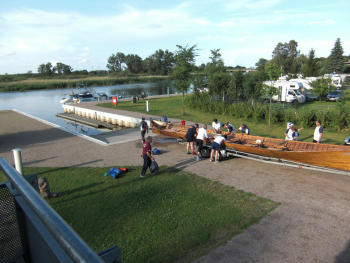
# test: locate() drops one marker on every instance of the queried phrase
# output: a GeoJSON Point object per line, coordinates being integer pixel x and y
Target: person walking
{"type": "Point", "coordinates": [190, 137]}
{"type": "Point", "coordinates": [201, 136]}
{"type": "Point", "coordinates": [318, 133]}
{"type": "Point", "coordinates": [146, 154]}
{"type": "Point", "coordinates": [144, 128]}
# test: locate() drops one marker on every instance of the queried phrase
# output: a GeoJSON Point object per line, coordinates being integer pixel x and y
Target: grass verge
{"type": "Point", "coordinates": [168, 217]}
{"type": "Point", "coordinates": [171, 107]}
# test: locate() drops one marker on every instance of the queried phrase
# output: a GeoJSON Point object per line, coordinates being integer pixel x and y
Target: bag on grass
{"type": "Point", "coordinates": [124, 170]}
{"type": "Point", "coordinates": [154, 167]}
{"type": "Point", "coordinates": [114, 172]}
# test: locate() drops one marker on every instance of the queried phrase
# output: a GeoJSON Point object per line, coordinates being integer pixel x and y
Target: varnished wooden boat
{"type": "Point", "coordinates": [324, 155]}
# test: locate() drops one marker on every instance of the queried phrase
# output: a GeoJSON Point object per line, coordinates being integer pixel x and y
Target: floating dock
{"type": "Point", "coordinates": [90, 122]}
{"type": "Point", "coordinates": [95, 117]}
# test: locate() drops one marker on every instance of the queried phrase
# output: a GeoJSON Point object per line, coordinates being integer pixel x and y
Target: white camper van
{"type": "Point", "coordinates": [289, 91]}
{"type": "Point", "coordinates": [336, 80]}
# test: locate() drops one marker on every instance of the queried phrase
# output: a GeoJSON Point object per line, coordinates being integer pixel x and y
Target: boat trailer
{"type": "Point", "coordinates": [230, 152]}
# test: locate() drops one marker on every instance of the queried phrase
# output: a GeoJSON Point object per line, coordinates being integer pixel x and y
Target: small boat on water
{"type": "Point", "coordinates": [83, 96]}
{"type": "Point", "coordinates": [323, 155]}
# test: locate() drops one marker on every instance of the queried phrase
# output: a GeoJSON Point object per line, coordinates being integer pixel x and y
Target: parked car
{"type": "Point", "coordinates": [310, 96]}
{"type": "Point", "coordinates": [336, 95]}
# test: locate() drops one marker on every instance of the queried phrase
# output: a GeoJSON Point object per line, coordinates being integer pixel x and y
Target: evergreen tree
{"type": "Point", "coordinates": [335, 59]}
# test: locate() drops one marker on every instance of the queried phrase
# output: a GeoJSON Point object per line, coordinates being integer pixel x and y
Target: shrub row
{"type": "Point", "coordinates": [338, 118]}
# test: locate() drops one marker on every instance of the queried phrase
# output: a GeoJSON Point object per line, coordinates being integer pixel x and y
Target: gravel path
{"type": "Point", "coordinates": [312, 224]}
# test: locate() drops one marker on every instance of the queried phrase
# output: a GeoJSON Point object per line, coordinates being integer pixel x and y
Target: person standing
{"type": "Point", "coordinates": [144, 128]}
{"type": "Point", "coordinates": [216, 125]}
{"type": "Point", "coordinates": [318, 133]}
{"type": "Point", "coordinates": [146, 154]}
{"type": "Point", "coordinates": [201, 136]}
{"type": "Point", "coordinates": [291, 133]}
{"type": "Point", "coordinates": [190, 137]}
{"type": "Point", "coordinates": [244, 129]}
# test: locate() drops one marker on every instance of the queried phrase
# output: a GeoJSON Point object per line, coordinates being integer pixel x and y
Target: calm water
{"type": "Point", "coordinates": [45, 103]}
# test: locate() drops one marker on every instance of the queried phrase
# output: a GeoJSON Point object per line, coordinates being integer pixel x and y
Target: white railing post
{"type": "Point", "coordinates": [17, 156]}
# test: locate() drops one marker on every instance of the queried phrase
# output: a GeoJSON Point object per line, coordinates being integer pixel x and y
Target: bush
{"type": "Point", "coordinates": [338, 118]}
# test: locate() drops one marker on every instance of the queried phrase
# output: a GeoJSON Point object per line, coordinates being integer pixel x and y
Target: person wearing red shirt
{"type": "Point", "coordinates": [146, 154]}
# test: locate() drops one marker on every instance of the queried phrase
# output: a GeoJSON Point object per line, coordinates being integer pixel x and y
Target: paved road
{"type": "Point", "coordinates": [312, 224]}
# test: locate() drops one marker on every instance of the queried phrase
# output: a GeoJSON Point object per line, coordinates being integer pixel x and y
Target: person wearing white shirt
{"type": "Point", "coordinates": [215, 146]}
{"type": "Point", "coordinates": [216, 125]}
{"type": "Point", "coordinates": [244, 129]}
{"type": "Point", "coordinates": [318, 133]}
{"type": "Point", "coordinates": [230, 127]}
{"type": "Point", "coordinates": [291, 134]}
{"type": "Point", "coordinates": [201, 136]}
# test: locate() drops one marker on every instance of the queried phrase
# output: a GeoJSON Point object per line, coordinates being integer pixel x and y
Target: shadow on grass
{"type": "Point", "coordinates": [305, 138]}
{"type": "Point", "coordinates": [66, 167]}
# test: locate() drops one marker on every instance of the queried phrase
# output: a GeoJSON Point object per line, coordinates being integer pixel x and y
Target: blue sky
{"type": "Point", "coordinates": [85, 33]}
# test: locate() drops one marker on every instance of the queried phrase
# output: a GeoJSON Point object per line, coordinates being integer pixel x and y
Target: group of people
{"type": "Point", "coordinates": [199, 135]}
{"type": "Point", "coordinates": [292, 132]}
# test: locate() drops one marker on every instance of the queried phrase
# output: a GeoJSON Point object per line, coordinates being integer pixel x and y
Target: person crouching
{"type": "Point", "coordinates": [190, 137]}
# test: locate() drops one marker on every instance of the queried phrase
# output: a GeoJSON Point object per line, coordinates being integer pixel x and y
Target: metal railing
{"type": "Point", "coordinates": [73, 246]}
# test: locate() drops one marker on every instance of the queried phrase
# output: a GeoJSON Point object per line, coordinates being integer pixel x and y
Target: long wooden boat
{"type": "Point", "coordinates": [324, 155]}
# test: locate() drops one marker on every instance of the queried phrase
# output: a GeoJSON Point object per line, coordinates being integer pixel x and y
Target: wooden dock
{"type": "Point", "coordinates": [87, 121]}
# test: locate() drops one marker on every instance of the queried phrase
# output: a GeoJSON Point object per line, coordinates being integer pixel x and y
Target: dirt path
{"type": "Point", "coordinates": [312, 224]}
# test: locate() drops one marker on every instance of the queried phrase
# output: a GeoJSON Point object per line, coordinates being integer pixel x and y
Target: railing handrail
{"type": "Point", "coordinates": [71, 243]}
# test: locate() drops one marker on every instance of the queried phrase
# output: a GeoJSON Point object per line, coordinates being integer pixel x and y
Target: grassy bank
{"type": "Point", "coordinates": [171, 107]}
{"type": "Point", "coordinates": [164, 218]}
{"type": "Point", "coordinates": [58, 83]}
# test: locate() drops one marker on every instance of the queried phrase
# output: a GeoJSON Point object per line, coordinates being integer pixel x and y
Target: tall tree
{"type": "Point", "coordinates": [133, 63]}
{"type": "Point", "coordinates": [160, 62]}
{"type": "Point", "coordinates": [260, 65]}
{"type": "Point", "coordinates": [184, 63]}
{"type": "Point", "coordinates": [284, 56]}
{"type": "Point", "coordinates": [335, 59]}
{"type": "Point", "coordinates": [46, 69]}
{"type": "Point", "coordinates": [116, 62]}
{"type": "Point", "coordinates": [309, 69]}
{"type": "Point", "coordinates": [273, 72]}
{"type": "Point", "coordinates": [61, 68]}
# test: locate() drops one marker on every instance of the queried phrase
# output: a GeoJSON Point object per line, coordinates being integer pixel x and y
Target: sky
{"type": "Point", "coordinates": [84, 33]}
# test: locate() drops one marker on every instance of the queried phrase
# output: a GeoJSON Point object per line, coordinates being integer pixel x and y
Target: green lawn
{"type": "Point", "coordinates": [171, 107]}
{"type": "Point", "coordinates": [164, 218]}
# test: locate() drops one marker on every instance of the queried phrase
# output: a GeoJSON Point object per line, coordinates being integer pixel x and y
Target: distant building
{"type": "Point", "coordinates": [243, 69]}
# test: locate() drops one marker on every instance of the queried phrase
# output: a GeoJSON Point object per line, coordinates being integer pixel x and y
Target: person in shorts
{"type": "Point", "coordinates": [190, 137]}
{"type": "Point", "coordinates": [216, 146]}
{"type": "Point", "coordinates": [201, 136]}
{"type": "Point", "coordinates": [318, 133]}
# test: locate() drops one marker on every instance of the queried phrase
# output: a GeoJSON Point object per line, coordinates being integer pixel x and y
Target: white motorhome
{"type": "Point", "coordinates": [336, 80]}
{"type": "Point", "coordinates": [289, 91]}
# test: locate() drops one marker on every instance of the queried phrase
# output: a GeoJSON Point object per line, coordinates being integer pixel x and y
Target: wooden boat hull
{"type": "Point", "coordinates": [324, 155]}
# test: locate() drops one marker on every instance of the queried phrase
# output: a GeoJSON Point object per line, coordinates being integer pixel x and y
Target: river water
{"type": "Point", "coordinates": [44, 104]}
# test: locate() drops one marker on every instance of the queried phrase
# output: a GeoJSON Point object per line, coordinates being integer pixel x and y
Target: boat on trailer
{"type": "Point", "coordinates": [322, 155]}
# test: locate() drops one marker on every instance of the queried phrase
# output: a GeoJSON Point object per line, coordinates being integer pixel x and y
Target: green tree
{"type": "Point", "coordinates": [61, 68]}
{"type": "Point", "coordinates": [284, 56]}
{"type": "Point", "coordinates": [219, 80]}
{"type": "Point", "coordinates": [160, 62]}
{"type": "Point", "coordinates": [322, 87]}
{"type": "Point", "coordinates": [273, 72]}
{"type": "Point", "coordinates": [133, 63]}
{"type": "Point", "coordinates": [116, 62]}
{"type": "Point", "coordinates": [335, 59]}
{"type": "Point", "coordinates": [46, 69]}
{"type": "Point", "coordinates": [181, 74]}
{"type": "Point", "coordinates": [310, 67]}
{"type": "Point", "coordinates": [260, 65]}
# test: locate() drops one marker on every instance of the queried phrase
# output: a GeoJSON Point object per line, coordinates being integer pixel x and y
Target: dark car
{"type": "Point", "coordinates": [336, 95]}
{"type": "Point", "coordinates": [310, 96]}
